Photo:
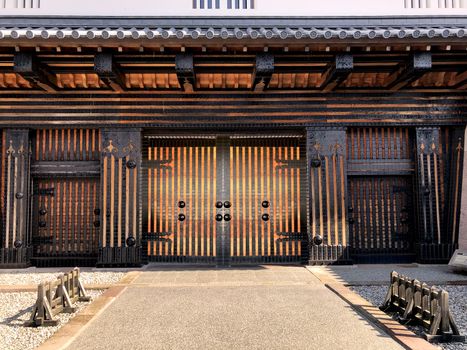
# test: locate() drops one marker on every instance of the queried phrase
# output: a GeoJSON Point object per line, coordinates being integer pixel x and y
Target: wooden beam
{"type": "Point", "coordinates": [264, 68]}
{"type": "Point", "coordinates": [185, 70]}
{"type": "Point", "coordinates": [108, 72]}
{"type": "Point", "coordinates": [418, 64]}
{"type": "Point", "coordinates": [337, 72]}
{"type": "Point", "coordinates": [29, 67]}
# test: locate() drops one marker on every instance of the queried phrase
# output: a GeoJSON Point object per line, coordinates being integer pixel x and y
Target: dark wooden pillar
{"type": "Point", "coordinates": [456, 173]}
{"type": "Point", "coordinates": [120, 242]}
{"type": "Point", "coordinates": [327, 199]}
{"type": "Point", "coordinates": [439, 180]}
{"type": "Point", "coordinates": [16, 242]}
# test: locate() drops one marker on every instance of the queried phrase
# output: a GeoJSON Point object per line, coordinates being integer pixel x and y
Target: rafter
{"type": "Point", "coordinates": [461, 81]}
{"type": "Point", "coordinates": [29, 67]}
{"type": "Point", "coordinates": [264, 68]}
{"type": "Point", "coordinates": [108, 72]}
{"type": "Point", "coordinates": [337, 72]}
{"type": "Point", "coordinates": [418, 64]}
{"type": "Point", "coordinates": [185, 70]}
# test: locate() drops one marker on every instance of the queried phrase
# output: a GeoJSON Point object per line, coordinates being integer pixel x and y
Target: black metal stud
{"type": "Point", "coordinates": [181, 217]}
{"type": "Point", "coordinates": [318, 240]}
{"type": "Point", "coordinates": [219, 217]}
{"type": "Point", "coordinates": [19, 195]}
{"type": "Point", "coordinates": [18, 243]}
{"type": "Point", "coordinates": [350, 209]}
{"type": "Point", "coordinates": [219, 204]}
{"type": "Point", "coordinates": [227, 204]}
{"type": "Point", "coordinates": [130, 241]}
{"type": "Point", "coordinates": [427, 191]}
{"type": "Point", "coordinates": [227, 217]}
{"type": "Point", "coordinates": [351, 221]}
{"type": "Point", "coordinates": [265, 204]}
{"type": "Point", "coordinates": [42, 212]}
{"type": "Point", "coordinates": [97, 211]}
{"type": "Point", "coordinates": [131, 164]}
{"type": "Point", "coordinates": [265, 217]}
{"type": "Point", "coordinates": [181, 204]}
{"type": "Point", "coordinates": [42, 224]}
{"type": "Point", "coordinates": [316, 163]}
{"type": "Point", "coordinates": [97, 223]}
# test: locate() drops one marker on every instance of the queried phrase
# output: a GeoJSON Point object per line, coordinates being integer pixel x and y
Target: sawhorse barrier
{"type": "Point", "coordinates": [416, 302]}
{"type": "Point", "coordinates": [57, 296]}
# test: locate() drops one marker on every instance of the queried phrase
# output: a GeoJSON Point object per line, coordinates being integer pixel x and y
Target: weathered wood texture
{"type": "Point", "coordinates": [16, 184]}
{"type": "Point", "coordinates": [120, 242]}
{"type": "Point", "coordinates": [421, 304]}
{"type": "Point", "coordinates": [439, 178]}
{"type": "Point", "coordinates": [244, 196]}
{"type": "Point", "coordinates": [381, 209]}
{"type": "Point", "coordinates": [327, 181]}
{"type": "Point", "coordinates": [57, 296]}
{"type": "Point", "coordinates": [66, 220]}
{"type": "Point", "coordinates": [248, 110]}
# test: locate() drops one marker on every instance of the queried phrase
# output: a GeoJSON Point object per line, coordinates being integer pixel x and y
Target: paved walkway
{"type": "Point", "coordinates": [240, 308]}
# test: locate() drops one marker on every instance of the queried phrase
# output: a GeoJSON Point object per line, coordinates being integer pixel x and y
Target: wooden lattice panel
{"type": "Point", "coordinates": [378, 143]}
{"type": "Point", "coordinates": [66, 217]}
{"type": "Point", "coordinates": [381, 210]}
{"type": "Point", "coordinates": [181, 180]}
{"type": "Point", "coordinates": [267, 195]}
{"type": "Point", "coordinates": [66, 144]}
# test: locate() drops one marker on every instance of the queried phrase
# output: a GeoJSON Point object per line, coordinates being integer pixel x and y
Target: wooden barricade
{"type": "Point", "coordinates": [57, 296]}
{"type": "Point", "coordinates": [416, 302]}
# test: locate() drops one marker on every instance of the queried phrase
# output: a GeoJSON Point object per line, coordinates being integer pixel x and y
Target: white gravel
{"type": "Point", "coordinates": [457, 303]}
{"type": "Point", "coordinates": [27, 278]}
{"type": "Point", "coordinates": [15, 309]}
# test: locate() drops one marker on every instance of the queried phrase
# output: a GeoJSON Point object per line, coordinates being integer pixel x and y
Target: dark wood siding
{"type": "Point", "coordinates": [231, 109]}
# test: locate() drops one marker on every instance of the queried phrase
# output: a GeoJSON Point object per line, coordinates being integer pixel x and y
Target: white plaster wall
{"type": "Point", "coordinates": [263, 8]}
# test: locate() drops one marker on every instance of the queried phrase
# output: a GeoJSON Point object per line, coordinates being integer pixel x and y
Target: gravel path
{"type": "Point", "coordinates": [15, 309]}
{"type": "Point", "coordinates": [457, 303]}
{"type": "Point", "coordinates": [25, 278]}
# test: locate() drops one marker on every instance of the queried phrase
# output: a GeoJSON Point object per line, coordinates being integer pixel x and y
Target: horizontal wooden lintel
{"type": "Point", "coordinates": [65, 168]}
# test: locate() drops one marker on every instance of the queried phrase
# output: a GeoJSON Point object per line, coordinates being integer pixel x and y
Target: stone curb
{"type": "Point", "coordinates": [33, 287]}
{"type": "Point", "coordinates": [66, 334]}
{"type": "Point", "coordinates": [373, 314]}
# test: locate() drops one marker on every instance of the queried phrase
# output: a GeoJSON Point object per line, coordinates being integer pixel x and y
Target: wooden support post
{"type": "Point", "coordinates": [418, 64]}
{"type": "Point", "coordinates": [120, 240]}
{"type": "Point", "coordinates": [456, 173]}
{"type": "Point", "coordinates": [108, 72]}
{"type": "Point", "coordinates": [28, 66]}
{"type": "Point", "coordinates": [327, 195]}
{"type": "Point", "coordinates": [16, 238]}
{"type": "Point", "coordinates": [337, 72]}
{"type": "Point", "coordinates": [264, 68]}
{"type": "Point", "coordinates": [185, 72]}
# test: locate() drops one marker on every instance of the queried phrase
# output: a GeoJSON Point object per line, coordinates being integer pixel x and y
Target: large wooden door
{"type": "Point", "coordinates": [66, 220]}
{"type": "Point", "coordinates": [224, 199]}
{"type": "Point", "coordinates": [381, 197]}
